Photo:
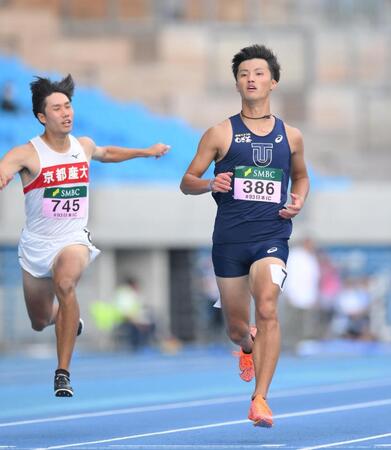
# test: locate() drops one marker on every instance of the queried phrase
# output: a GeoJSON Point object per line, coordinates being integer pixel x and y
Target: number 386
{"type": "Point", "coordinates": [259, 187]}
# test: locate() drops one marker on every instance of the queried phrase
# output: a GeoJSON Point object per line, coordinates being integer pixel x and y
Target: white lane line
{"type": "Point", "coordinates": [136, 409]}
{"type": "Point", "coordinates": [180, 446]}
{"type": "Point", "coordinates": [194, 403]}
{"type": "Point", "coordinates": [309, 412]}
{"type": "Point", "coordinates": [352, 441]}
{"type": "Point", "coordinates": [192, 446]}
{"type": "Point", "coordinates": [156, 433]}
{"type": "Point", "coordinates": [340, 387]}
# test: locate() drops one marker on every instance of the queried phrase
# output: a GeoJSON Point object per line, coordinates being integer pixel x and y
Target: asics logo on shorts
{"type": "Point", "coordinates": [272, 250]}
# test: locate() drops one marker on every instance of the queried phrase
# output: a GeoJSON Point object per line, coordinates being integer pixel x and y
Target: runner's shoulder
{"type": "Point", "coordinates": [23, 157]}
{"type": "Point", "coordinates": [24, 151]}
{"type": "Point", "coordinates": [294, 135]}
{"type": "Point", "coordinates": [88, 144]}
{"type": "Point", "coordinates": [220, 132]}
{"type": "Point", "coordinates": [293, 132]}
{"type": "Point", "coordinates": [85, 140]}
{"type": "Point", "coordinates": [222, 127]}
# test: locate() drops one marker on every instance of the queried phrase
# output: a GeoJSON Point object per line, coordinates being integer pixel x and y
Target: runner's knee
{"type": "Point", "coordinates": [64, 286]}
{"type": "Point", "coordinates": [267, 309]}
{"type": "Point", "coordinates": [39, 324]}
{"type": "Point", "coordinates": [237, 333]}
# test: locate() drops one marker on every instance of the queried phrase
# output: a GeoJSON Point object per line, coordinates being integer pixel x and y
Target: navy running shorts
{"type": "Point", "coordinates": [235, 260]}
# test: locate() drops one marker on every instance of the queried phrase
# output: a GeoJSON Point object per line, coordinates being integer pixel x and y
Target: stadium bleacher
{"type": "Point", "coordinates": [109, 121]}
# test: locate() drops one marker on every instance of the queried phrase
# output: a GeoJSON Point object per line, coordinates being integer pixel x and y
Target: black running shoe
{"type": "Point", "coordinates": [62, 386]}
{"type": "Point", "coordinates": [80, 328]}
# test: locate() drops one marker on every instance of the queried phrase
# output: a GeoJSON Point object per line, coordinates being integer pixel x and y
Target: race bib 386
{"type": "Point", "coordinates": [258, 184]}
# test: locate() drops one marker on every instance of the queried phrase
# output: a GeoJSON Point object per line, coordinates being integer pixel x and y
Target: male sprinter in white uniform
{"type": "Point", "coordinates": [255, 154]}
{"type": "Point", "coordinates": [55, 246]}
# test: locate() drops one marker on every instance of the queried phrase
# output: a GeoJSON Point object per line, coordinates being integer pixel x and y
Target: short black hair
{"type": "Point", "coordinates": [257, 52]}
{"type": "Point", "coordinates": [43, 87]}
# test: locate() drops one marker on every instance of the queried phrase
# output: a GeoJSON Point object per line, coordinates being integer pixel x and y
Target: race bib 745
{"type": "Point", "coordinates": [65, 202]}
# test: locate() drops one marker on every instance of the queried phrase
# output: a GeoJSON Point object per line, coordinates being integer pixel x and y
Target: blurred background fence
{"type": "Point", "coordinates": [150, 70]}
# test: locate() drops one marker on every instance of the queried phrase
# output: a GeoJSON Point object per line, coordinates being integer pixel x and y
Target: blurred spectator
{"type": "Point", "coordinates": [379, 287]}
{"type": "Point", "coordinates": [136, 328]}
{"type": "Point", "coordinates": [171, 9]}
{"type": "Point", "coordinates": [300, 315]}
{"type": "Point", "coordinates": [351, 319]}
{"type": "Point", "coordinates": [329, 288]}
{"type": "Point", "coordinates": [105, 315]}
{"type": "Point", "coordinates": [210, 320]}
{"type": "Point", "coordinates": [7, 100]}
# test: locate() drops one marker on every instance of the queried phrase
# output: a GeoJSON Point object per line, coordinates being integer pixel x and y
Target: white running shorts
{"type": "Point", "coordinates": [37, 253]}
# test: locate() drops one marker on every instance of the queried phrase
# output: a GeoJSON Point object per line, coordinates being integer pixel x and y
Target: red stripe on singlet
{"type": "Point", "coordinates": [70, 173]}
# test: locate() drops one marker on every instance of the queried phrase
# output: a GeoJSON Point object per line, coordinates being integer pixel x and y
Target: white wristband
{"type": "Point", "coordinates": [210, 185]}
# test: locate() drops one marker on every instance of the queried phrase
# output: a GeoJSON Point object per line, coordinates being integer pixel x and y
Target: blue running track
{"type": "Point", "coordinates": [194, 400]}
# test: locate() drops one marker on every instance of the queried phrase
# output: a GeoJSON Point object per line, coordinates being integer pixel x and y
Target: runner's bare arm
{"type": "Point", "coordinates": [212, 143]}
{"type": "Point", "coordinates": [299, 177]}
{"type": "Point", "coordinates": [111, 153]}
{"type": "Point", "coordinates": [13, 162]}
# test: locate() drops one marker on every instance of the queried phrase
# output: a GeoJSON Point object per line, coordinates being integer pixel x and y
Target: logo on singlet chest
{"type": "Point", "coordinates": [243, 138]}
{"type": "Point", "coordinates": [262, 153]}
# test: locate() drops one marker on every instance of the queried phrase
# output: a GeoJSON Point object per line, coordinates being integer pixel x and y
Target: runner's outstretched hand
{"type": "Point", "coordinates": [158, 150]}
{"type": "Point", "coordinates": [4, 179]}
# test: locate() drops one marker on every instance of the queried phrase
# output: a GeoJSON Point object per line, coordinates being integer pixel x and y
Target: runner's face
{"type": "Point", "coordinates": [58, 116]}
{"type": "Point", "coordinates": [254, 79]}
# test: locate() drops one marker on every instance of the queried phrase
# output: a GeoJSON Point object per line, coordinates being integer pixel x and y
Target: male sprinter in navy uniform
{"type": "Point", "coordinates": [255, 154]}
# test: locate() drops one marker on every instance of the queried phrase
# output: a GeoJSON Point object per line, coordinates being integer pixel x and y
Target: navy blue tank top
{"type": "Point", "coordinates": [261, 167]}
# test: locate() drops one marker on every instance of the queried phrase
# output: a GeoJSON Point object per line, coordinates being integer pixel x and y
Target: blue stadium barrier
{"type": "Point", "coordinates": [108, 121]}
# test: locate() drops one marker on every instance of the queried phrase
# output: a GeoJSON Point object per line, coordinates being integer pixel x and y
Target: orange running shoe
{"type": "Point", "coordinates": [246, 364]}
{"type": "Point", "coordinates": [260, 413]}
